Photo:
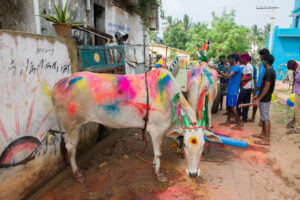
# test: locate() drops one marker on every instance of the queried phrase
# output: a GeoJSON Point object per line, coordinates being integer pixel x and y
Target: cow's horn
{"type": "Point", "coordinates": [200, 122]}
{"type": "Point", "coordinates": [186, 120]}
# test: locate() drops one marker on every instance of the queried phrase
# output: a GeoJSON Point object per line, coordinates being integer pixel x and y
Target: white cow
{"type": "Point", "coordinates": [202, 80]}
{"type": "Point", "coordinates": [120, 101]}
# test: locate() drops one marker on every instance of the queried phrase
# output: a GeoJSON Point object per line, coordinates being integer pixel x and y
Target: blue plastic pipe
{"type": "Point", "coordinates": [229, 141]}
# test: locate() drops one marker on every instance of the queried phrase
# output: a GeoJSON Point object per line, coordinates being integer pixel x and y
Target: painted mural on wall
{"type": "Point", "coordinates": [29, 69]}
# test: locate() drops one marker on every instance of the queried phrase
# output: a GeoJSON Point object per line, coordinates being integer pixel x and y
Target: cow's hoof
{"type": "Point", "coordinates": [162, 178]}
{"type": "Point", "coordinates": [79, 177]}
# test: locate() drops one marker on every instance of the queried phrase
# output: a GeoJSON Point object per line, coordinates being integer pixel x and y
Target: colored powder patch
{"type": "Point", "coordinates": [72, 109]}
{"type": "Point", "coordinates": [125, 89]}
{"type": "Point", "coordinates": [208, 75]}
{"type": "Point", "coordinates": [46, 90]}
{"type": "Point", "coordinates": [81, 84]}
{"type": "Point", "coordinates": [103, 88]}
{"type": "Point", "coordinates": [111, 109]}
{"type": "Point", "coordinates": [163, 82]}
{"type": "Point", "coordinates": [73, 81]}
{"type": "Point", "coordinates": [62, 82]}
{"type": "Point", "coordinates": [164, 79]}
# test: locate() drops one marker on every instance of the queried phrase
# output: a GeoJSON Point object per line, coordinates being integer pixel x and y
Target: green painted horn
{"type": "Point", "coordinates": [200, 122]}
{"type": "Point", "coordinates": [185, 119]}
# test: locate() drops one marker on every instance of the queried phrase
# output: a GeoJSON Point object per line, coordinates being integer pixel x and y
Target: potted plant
{"type": "Point", "coordinates": [61, 21]}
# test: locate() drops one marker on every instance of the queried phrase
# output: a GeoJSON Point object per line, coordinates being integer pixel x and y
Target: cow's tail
{"type": "Point", "coordinates": [63, 149]}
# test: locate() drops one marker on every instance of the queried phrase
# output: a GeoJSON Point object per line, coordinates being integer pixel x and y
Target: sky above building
{"type": "Point", "coordinates": [245, 11]}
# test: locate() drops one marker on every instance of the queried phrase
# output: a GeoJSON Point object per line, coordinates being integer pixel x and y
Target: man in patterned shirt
{"type": "Point", "coordinates": [246, 86]}
{"type": "Point", "coordinates": [222, 67]}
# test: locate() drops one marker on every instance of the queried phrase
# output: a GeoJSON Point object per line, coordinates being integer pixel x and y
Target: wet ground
{"type": "Point", "coordinates": [227, 173]}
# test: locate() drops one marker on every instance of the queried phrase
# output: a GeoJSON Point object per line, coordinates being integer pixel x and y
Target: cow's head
{"type": "Point", "coordinates": [193, 142]}
{"type": "Point", "coordinates": [193, 148]}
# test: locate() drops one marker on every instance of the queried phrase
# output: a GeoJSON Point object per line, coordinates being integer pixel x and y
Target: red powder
{"type": "Point", "coordinates": [72, 109]}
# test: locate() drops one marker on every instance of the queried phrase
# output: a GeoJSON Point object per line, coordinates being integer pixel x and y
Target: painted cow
{"type": "Point", "coordinates": [120, 101]}
{"type": "Point", "coordinates": [202, 80]}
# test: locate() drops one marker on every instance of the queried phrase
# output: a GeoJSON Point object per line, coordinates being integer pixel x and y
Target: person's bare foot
{"type": "Point", "coordinates": [225, 124]}
{"type": "Point", "coordinates": [260, 136]}
{"type": "Point", "coordinates": [237, 127]}
{"type": "Point", "coordinates": [251, 120]}
{"type": "Point", "coordinates": [292, 131]}
{"type": "Point", "coordinates": [225, 113]}
{"type": "Point", "coordinates": [263, 142]}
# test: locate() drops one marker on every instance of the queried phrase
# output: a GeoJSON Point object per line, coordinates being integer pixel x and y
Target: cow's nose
{"type": "Point", "coordinates": [193, 175]}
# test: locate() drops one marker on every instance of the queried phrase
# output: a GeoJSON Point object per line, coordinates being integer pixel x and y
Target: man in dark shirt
{"type": "Point", "coordinates": [263, 100]}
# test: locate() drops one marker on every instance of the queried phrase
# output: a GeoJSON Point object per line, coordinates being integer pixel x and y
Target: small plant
{"type": "Point", "coordinates": [62, 16]}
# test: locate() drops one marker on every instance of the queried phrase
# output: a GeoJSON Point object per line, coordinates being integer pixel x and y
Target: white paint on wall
{"type": "Point", "coordinates": [29, 69]}
{"type": "Point", "coordinates": [36, 17]}
{"type": "Point", "coordinates": [118, 19]}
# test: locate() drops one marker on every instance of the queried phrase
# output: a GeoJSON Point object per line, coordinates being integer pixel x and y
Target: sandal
{"type": "Point", "coordinates": [262, 142]}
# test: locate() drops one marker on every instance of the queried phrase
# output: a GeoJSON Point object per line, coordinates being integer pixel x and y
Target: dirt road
{"type": "Point", "coordinates": [227, 173]}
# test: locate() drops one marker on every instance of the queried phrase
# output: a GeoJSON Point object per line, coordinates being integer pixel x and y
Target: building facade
{"type": "Point", "coordinates": [286, 43]}
{"type": "Point", "coordinates": [107, 16]}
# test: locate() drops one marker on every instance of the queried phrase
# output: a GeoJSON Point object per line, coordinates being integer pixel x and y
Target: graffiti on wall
{"type": "Point", "coordinates": [113, 28]}
{"type": "Point", "coordinates": [29, 69]}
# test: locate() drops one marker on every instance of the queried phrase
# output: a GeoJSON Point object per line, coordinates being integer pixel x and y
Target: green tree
{"type": "Point", "coordinates": [172, 55]}
{"type": "Point", "coordinates": [154, 37]}
{"type": "Point", "coordinates": [168, 23]}
{"type": "Point", "coordinates": [174, 34]}
{"type": "Point", "coordinates": [267, 30]}
{"type": "Point", "coordinates": [176, 37]}
{"type": "Point", "coordinates": [226, 36]}
{"type": "Point", "coordinates": [256, 40]}
{"type": "Point", "coordinates": [187, 22]}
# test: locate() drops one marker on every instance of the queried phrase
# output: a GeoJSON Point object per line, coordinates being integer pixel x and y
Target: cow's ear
{"type": "Point", "coordinates": [173, 134]}
{"type": "Point", "coordinates": [211, 136]}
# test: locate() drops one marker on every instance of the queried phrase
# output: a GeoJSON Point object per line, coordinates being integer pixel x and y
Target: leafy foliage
{"type": "Point", "coordinates": [62, 16]}
{"type": "Point", "coordinates": [226, 36]}
{"type": "Point", "coordinates": [258, 38]}
{"type": "Point", "coordinates": [145, 9]}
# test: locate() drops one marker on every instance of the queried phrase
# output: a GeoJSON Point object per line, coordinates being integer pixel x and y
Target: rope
{"type": "Point", "coordinates": [145, 125]}
{"type": "Point", "coordinates": [142, 151]}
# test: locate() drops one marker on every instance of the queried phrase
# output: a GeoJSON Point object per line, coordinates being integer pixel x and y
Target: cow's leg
{"type": "Point", "coordinates": [157, 141]}
{"type": "Point", "coordinates": [71, 139]}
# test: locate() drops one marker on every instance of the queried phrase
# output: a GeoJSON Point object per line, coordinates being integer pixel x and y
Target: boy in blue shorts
{"type": "Point", "coordinates": [234, 77]}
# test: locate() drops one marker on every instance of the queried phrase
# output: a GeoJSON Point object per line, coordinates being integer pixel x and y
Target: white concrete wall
{"type": "Point", "coordinates": [118, 19]}
{"type": "Point", "coordinates": [29, 69]}
{"type": "Point", "coordinates": [29, 153]}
